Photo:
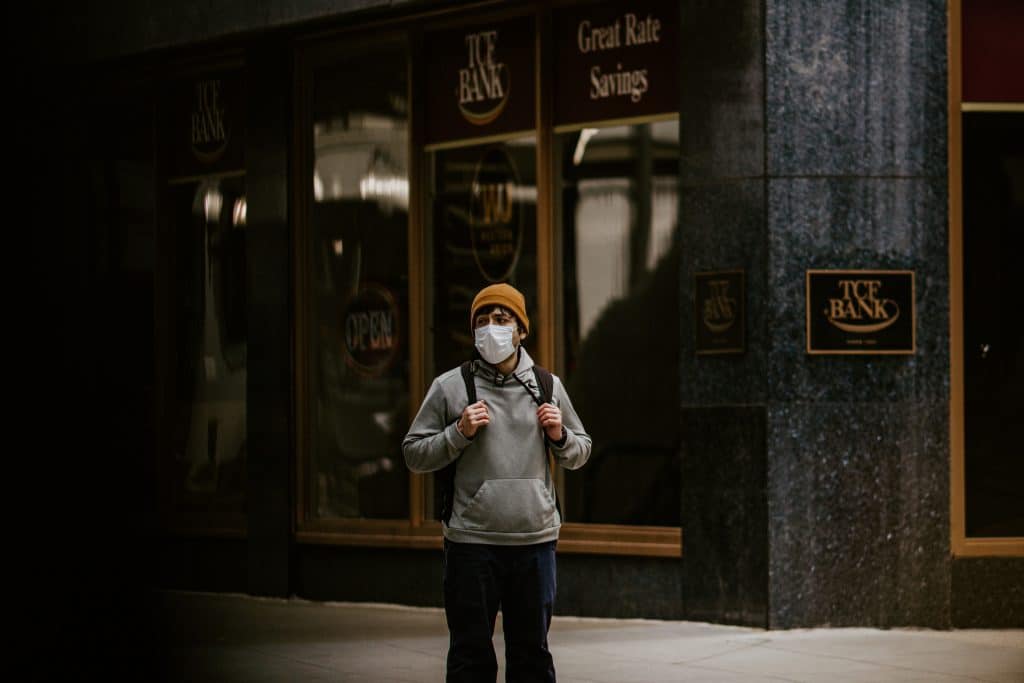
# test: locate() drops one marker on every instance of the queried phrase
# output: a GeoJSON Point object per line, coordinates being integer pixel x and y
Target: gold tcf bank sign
{"type": "Point", "coordinates": [861, 311]}
{"type": "Point", "coordinates": [204, 123]}
{"type": "Point", "coordinates": [720, 312]}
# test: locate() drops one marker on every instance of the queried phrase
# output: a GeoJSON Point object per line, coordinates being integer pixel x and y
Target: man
{"type": "Point", "coordinates": [499, 547]}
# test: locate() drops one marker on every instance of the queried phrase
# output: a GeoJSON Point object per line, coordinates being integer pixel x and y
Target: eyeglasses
{"type": "Point", "coordinates": [497, 316]}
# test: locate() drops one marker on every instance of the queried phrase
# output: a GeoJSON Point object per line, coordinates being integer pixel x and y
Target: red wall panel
{"type": "Point", "coordinates": [993, 50]}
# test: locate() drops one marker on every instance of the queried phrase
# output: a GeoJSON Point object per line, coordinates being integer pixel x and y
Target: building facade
{"type": "Point", "coordinates": [768, 246]}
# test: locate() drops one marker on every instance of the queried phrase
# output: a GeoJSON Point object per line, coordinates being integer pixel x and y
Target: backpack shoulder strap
{"type": "Point", "coordinates": [467, 377]}
{"type": "Point", "coordinates": [546, 383]}
{"type": "Point", "coordinates": [444, 479]}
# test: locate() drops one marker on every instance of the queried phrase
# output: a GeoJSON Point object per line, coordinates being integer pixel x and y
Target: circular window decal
{"type": "Point", "coordinates": [495, 219]}
{"type": "Point", "coordinates": [370, 329]}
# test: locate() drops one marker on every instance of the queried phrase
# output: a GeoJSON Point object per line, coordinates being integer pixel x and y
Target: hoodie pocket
{"type": "Point", "coordinates": [510, 506]}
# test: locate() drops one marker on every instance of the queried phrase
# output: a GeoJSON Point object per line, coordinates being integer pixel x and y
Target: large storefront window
{"type": "Point", "coordinates": [358, 350]}
{"type": "Point", "coordinates": [618, 217]}
{"type": "Point", "coordinates": [986, 192]}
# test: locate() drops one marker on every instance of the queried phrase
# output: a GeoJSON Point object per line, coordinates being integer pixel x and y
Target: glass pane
{"type": "Point", "coordinates": [621, 315]}
{"type": "Point", "coordinates": [993, 241]}
{"type": "Point", "coordinates": [483, 214]}
{"type": "Point", "coordinates": [210, 347]}
{"type": "Point", "coordinates": [359, 286]}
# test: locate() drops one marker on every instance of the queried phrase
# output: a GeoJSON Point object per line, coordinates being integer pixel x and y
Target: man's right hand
{"type": "Point", "coordinates": [473, 418]}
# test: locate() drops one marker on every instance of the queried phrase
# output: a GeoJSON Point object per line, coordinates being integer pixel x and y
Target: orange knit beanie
{"type": "Point", "coordinates": [501, 295]}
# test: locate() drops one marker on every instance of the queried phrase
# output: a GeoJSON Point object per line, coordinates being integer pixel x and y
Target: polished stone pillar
{"type": "Point", "coordinates": [815, 488]}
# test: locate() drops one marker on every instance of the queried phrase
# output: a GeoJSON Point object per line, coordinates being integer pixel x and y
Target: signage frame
{"type": "Point", "coordinates": [177, 166]}
{"type": "Point", "coordinates": [906, 350]}
{"type": "Point", "coordinates": [741, 316]}
{"type": "Point", "coordinates": [515, 116]}
{"type": "Point", "coordinates": [608, 74]}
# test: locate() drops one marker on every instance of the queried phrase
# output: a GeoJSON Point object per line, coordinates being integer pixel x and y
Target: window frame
{"type": "Point", "coordinates": [962, 545]}
{"type": "Point", "coordinates": [309, 57]}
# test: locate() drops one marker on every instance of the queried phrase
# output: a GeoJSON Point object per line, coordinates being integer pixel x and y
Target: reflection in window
{"type": "Point", "coordinates": [484, 224]}
{"type": "Point", "coordinates": [358, 275]}
{"type": "Point", "coordinates": [483, 213]}
{"type": "Point", "coordinates": [621, 305]}
{"type": "Point", "coordinates": [209, 431]}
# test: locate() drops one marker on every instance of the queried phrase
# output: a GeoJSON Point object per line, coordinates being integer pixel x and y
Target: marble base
{"type": "Point", "coordinates": [725, 515]}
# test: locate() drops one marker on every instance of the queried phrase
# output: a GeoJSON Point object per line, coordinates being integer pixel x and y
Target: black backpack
{"type": "Point", "coordinates": [444, 479]}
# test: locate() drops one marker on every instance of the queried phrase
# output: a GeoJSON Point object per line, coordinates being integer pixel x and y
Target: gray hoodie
{"type": "Point", "coordinates": [504, 494]}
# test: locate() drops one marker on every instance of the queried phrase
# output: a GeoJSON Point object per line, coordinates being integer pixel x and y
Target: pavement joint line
{"type": "Point", "coordinates": [778, 677]}
{"type": "Point", "coordinates": [306, 662]}
{"type": "Point", "coordinates": [740, 648]}
{"type": "Point", "coordinates": [613, 658]}
{"type": "Point", "coordinates": [895, 667]}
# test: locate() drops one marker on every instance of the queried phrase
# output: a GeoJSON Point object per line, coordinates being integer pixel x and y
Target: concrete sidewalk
{"type": "Point", "coordinates": [209, 637]}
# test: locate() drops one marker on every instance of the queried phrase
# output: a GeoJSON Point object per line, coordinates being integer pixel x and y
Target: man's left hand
{"type": "Point", "coordinates": [550, 417]}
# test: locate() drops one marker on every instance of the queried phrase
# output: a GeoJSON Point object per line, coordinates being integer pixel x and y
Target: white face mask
{"type": "Point", "coordinates": [494, 342]}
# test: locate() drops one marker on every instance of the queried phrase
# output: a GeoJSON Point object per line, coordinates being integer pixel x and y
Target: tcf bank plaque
{"type": "Point", "coordinates": [861, 312]}
{"type": "Point", "coordinates": [719, 300]}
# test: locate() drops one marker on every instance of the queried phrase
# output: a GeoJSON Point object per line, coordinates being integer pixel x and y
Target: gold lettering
{"type": "Point", "coordinates": [860, 302]}
{"type": "Point", "coordinates": [864, 306]}
{"type": "Point", "coordinates": [642, 31]}
{"type": "Point", "coordinates": [873, 286]}
{"type": "Point", "coordinates": [208, 117]}
{"type": "Point", "coordinates": [481, 79]}
{"type": "Point", "coordinates": [835, 309]}
{"type": "Point", "coordinates": [465, 93]}
{"type": "Point", "coordinates": [631, 37]}
{"type": "Point", "coordinates": [496, 202]}
{"type": "Point", "coordinates": [592, 39]}
{"type": "Point", "coordinates": [583, 39]}
{"type": "Point", "coordinates": [719, 307]}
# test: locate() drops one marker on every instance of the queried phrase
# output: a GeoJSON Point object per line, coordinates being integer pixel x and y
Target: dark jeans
{"type": "Point", "coordinates": [480, 578]}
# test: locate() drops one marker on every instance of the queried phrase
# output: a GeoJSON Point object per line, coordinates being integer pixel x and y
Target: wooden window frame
{"type": "Point", "coordinates": [960, 544]}
{"type": "Point", "coordinates": [418, 531]}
